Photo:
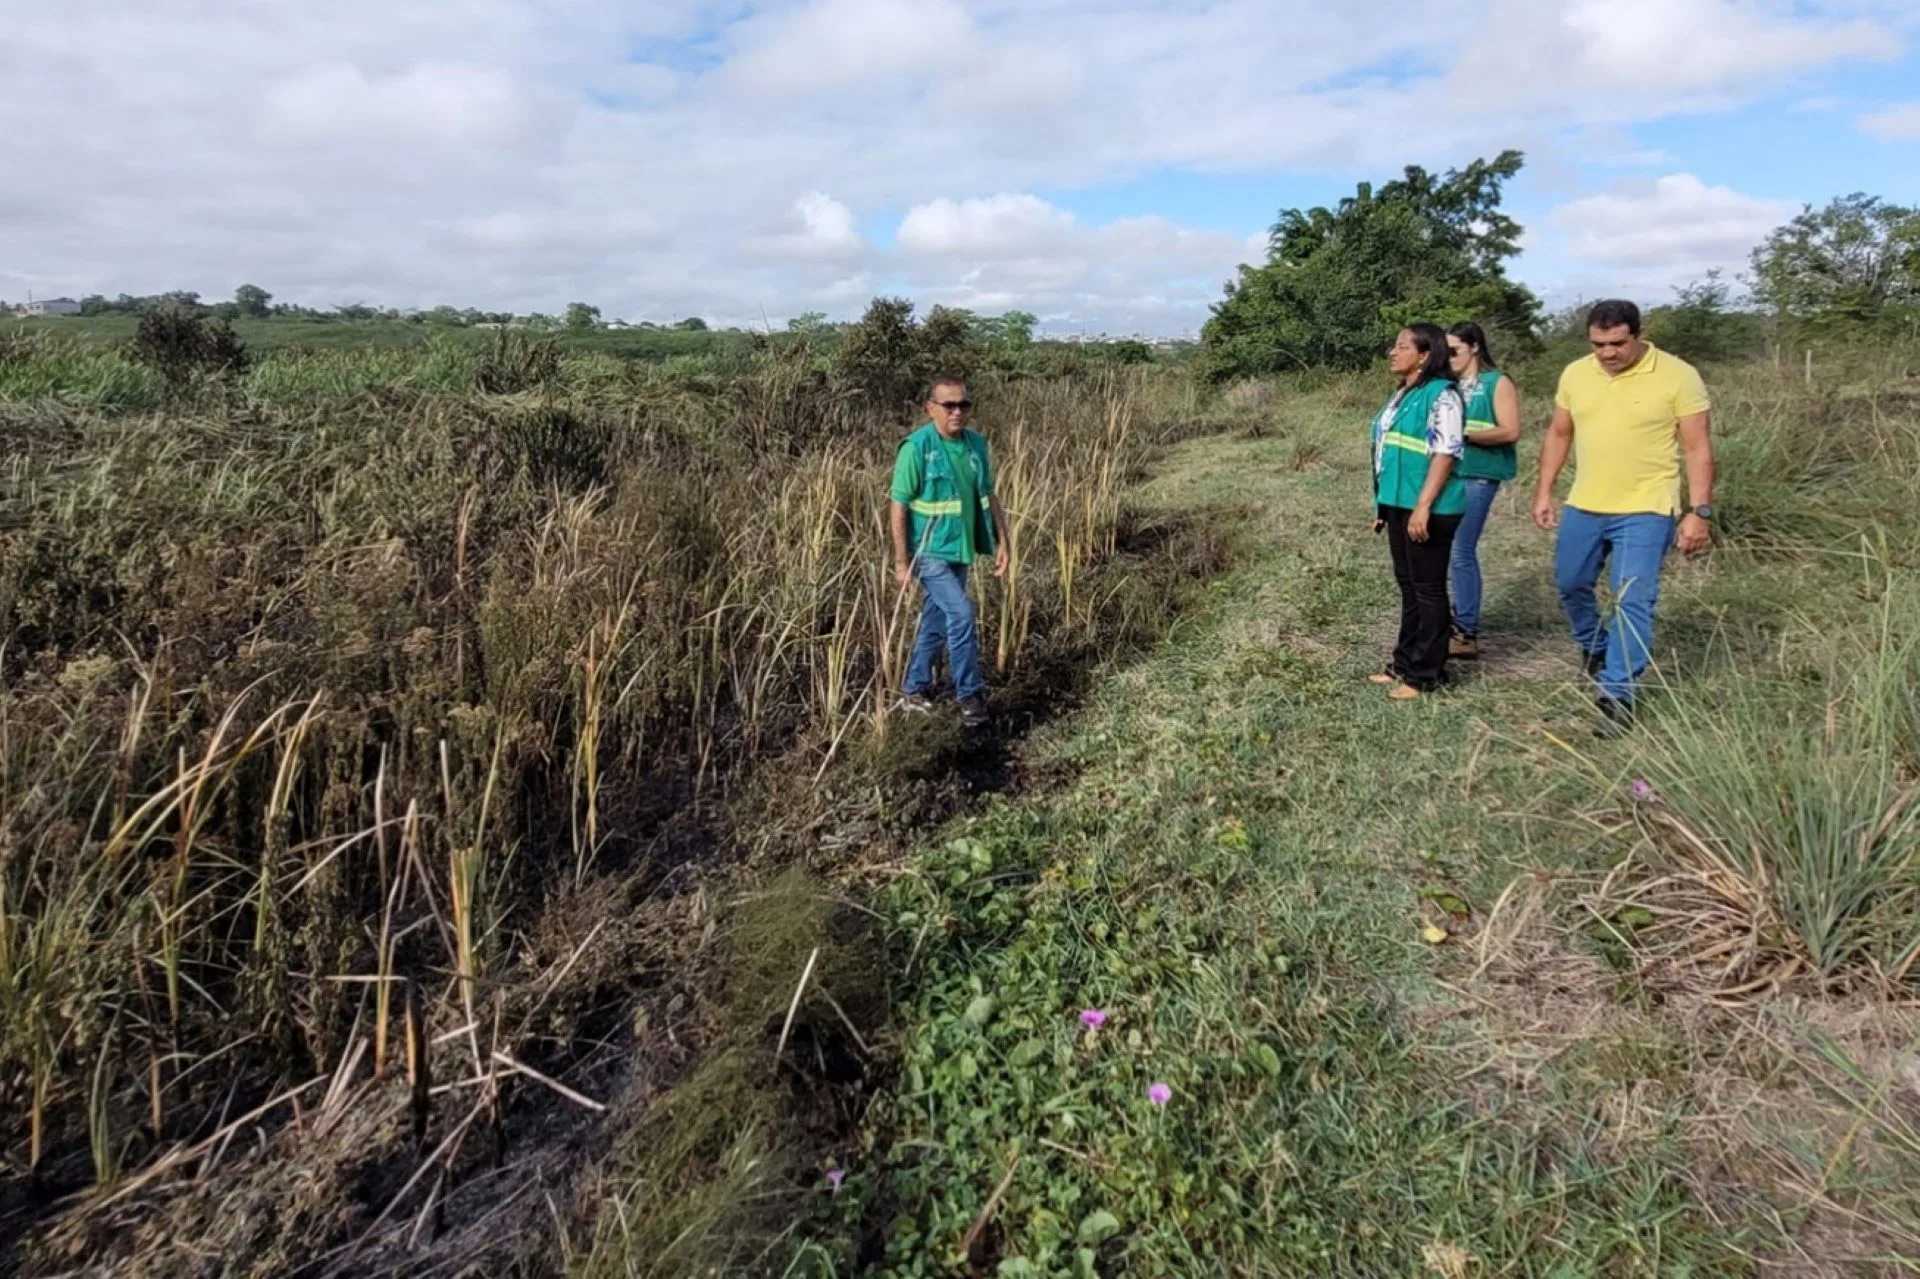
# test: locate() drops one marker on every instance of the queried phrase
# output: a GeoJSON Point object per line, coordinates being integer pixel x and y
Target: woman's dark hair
{"type": "Point", "coordinates": [1476, 339]}
{"type": "Point", "coordinates": [1431, 341]}
{"type": "Point", "coordinates": [1613, 313]}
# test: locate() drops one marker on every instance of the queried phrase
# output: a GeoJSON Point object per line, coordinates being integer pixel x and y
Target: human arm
{"type": "Point", "coordinates": [902, 553]}
{"type": "Point", "coordinates": [1439, 469]}
{"type": "Point", "coordinates": [1553, 457]}
{"type": "Point", "coordinates": [1446, 436]}
{"type": "Point", "coordinates": [1506, 418]}
{"type": "Point", "coordinates": [906, 484]}
{"type": "Point", "coordinates": [1002, 544]}
{"type": "Point", "coordinates": [1696, 447]}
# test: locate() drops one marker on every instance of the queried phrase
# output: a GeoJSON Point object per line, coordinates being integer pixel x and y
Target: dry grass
{"type": "Point", "coordinates": [1799, 1115]}
{"type": "Point", "coordinates": [358, 765]}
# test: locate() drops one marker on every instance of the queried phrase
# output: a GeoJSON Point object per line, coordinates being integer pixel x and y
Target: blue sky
{"type": "Point", "coordinates": [1105, 164]}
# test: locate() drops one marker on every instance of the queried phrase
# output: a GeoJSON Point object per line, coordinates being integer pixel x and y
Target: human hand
{"type": "Point", "coordinates": [1378, 524]}
{"type": "Point", "coordinates": [1002, 558]}
{"type": "Point", "coordinates": [1417, 524]}
{"type": "Point", "coordinates": [903, 573]}
{"type": "Point", "coordinates": [1543, 513]}
{"type": "Point", "coordinates": [1694, 534]}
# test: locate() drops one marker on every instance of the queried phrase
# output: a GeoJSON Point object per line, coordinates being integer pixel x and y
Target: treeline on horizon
{"type": "Point", "coordinates": [1337, 284]}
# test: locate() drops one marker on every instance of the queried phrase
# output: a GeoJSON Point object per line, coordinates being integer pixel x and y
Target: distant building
{"type": "Point", "coordinates": [51, 306]}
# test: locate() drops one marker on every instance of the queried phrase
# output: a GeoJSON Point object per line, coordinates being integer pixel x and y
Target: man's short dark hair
{"type": "Point", "coordinates": [933, 387]}
{"type": "Point", "coordinates": [1613, 313]}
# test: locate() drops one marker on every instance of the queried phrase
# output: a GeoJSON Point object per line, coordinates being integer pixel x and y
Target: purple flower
{"type": "Point", "coordinates": [1159, 1094]}
{"type": "Point", "coordinates": [835, 1177]}
{"type": "Point", "coordinates": [1093, 1018]}
{"type": "Point", "coordinates": [1643, 790]}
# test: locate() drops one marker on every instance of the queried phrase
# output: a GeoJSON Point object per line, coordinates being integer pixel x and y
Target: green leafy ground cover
{"type": "Point", "coordinates": [1247, 875]}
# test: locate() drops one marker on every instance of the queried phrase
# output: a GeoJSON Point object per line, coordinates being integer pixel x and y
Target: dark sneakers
{"type": "Point", "coordinates": [1616, 717]}
{"type": "Point", "coordinates": [973, 710]}
{"type": "Point", "coordinates": [1594, 663]}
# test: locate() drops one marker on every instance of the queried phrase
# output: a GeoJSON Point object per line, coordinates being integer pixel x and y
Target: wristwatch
{"type": "Point", "coordinates": [1704, 511]}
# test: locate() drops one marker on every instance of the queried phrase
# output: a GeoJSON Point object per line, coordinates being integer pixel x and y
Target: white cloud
{"type": "Point", "coordinates": [820, 229]}
{"type": "Point", "coordinates": [995, 227]}
{"type": "Point", "coordinates": [677, 156]}
{"type": "Point", "coordinates": [1132, 275]}
{"type": "Point", "coordinates": [837, 44]}
{"type": "Point", "coordinates": [444, 105]}
{"type": "Point", "coordinates": [1895, 124]}
{"type": "Point", "coordinates": [1645, 235]}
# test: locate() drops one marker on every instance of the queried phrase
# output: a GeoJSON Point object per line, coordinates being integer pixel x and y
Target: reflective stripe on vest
{"type": "Point", "coordinates": [1475, 426]}
{"type": "Point", "coordinates": [936, 508]}
{"type": "Point", "coordinates": [1406, 442]}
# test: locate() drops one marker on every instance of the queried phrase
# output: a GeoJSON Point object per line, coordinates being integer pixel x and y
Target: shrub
{"type": "Point", "coordinates": [514, 363]}
{"type": "Point", "coordinates": [181, 344]}
{"type": "Point", "coordinates": [887, 359]}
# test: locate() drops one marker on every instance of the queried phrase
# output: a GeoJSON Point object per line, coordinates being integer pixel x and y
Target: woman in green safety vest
{"type": "Point", "coordinates": [1493, 424]}
{"type": "Point", "coordinates": [1418, 500]}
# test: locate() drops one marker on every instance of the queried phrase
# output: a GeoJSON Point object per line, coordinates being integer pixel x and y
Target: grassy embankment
{"type": "Point", "coordinates": [419, 802]}
{"type": "Point", "coordinates": [1450, 988]}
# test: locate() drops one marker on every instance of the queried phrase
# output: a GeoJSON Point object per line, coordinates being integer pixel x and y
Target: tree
{"type": "Point", "coordinates": [1338, 283]}
{"type": "Point", "coordinates": [1854, 265]}
{"type": "Point", "coordinates": [692, 324]}
{"type": "Point", "coordinates": [1013, 330]}
{"type": "Point", "coordinates": [582, 318]}
{"type": "Point", "coordinates": [887, 360]}
{"type": "Point", "coordinates": [254, 302]}
{"type": "Point", "coordinates": [1700, 325]}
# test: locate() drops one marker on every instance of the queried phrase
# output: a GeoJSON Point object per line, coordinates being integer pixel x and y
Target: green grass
{"type": "Point", "coordinates": [1239, 873]}
{"type": "Point", "coordinates": [279, 333]}
{"type": "Point", "coordinates": [294, 655]}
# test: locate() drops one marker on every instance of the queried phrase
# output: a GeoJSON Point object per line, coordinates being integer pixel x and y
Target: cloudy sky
{"type": "Point", "coordinates": [1102, 163]}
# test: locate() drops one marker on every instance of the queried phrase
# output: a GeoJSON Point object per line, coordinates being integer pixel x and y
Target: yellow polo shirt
{"type": "Point", "coordinates": [1626, 437]}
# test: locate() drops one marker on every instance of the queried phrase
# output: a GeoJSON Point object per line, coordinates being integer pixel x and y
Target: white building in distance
{"type": "Point", "coordinates": [51, 306]}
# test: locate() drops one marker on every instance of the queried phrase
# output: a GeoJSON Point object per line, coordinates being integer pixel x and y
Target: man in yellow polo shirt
{"type": "Point", "coordinates": [1628, 413]}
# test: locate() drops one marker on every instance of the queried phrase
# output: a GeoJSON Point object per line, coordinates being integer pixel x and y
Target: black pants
{"type": "Point", "coordinates": [1420, 656]}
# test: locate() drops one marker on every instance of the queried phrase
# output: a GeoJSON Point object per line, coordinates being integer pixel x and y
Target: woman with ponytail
{"type": "Point", "coordinates": [1493, 424]}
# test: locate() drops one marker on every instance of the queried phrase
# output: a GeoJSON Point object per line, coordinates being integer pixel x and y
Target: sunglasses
{"type": "Point", "coordinates": [954, 406]}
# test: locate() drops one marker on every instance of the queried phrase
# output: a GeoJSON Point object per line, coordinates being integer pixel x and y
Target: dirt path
{"type": "Point", "coordinates": [1240, 886]}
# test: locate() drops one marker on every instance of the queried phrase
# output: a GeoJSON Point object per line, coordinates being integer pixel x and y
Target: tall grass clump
{"type": "Point", "coordinates": [1813, 469]}
{"type": "Point", "coordinates": [1779, 821]}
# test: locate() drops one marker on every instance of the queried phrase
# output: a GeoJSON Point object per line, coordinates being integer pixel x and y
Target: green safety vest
{"type": "Point", "coordinates": [1400, 455]}
{"type": "Point", "coordinates": [934, 514]}
{"type": "Point", "coordinates": [1492, 462]}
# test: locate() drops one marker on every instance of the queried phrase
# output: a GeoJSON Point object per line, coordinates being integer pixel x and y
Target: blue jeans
{"type": "Point", "coordinates": [946, 621]}
{"type": "Point", "coordinates": [1637, 546]}
{"type": "Point", "coordinates": [1466, 555]}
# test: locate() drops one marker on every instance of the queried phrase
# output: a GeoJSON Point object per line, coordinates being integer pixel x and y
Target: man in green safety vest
{"type": "Point", "coordinates": [944, 516]}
